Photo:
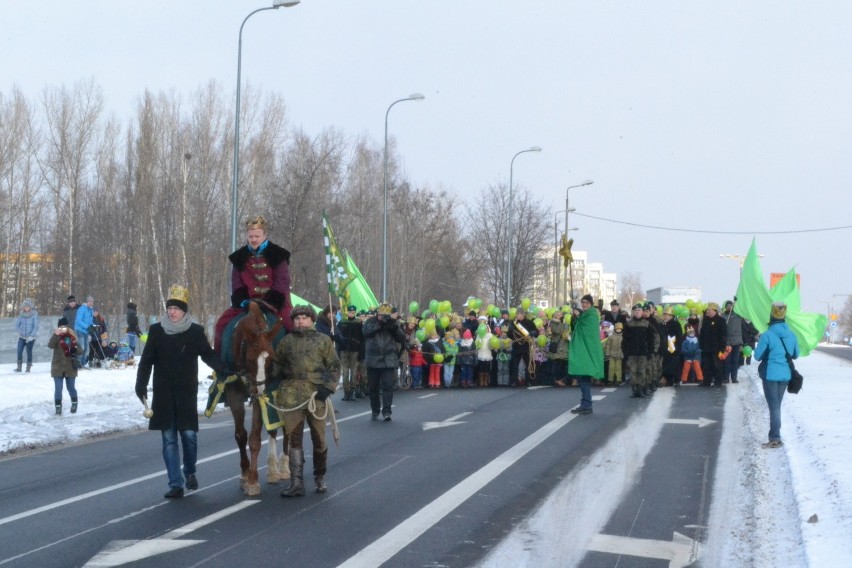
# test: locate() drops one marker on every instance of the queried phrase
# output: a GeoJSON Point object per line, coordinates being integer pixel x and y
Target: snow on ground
{"type": "Point", "coordinates": [764, 500]}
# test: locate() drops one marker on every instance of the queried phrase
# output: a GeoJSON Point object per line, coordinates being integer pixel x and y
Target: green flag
{"type": "Point", "coordinates": [754, 300]}
{"type": "Point", "coordinates": [356, 290]}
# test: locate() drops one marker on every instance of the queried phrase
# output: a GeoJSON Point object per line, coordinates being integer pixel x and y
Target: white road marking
{"type": "Point", "coordinates": [122, 485]}
{"type": "Point", "coordinates": [120, 552]}
{"type": "Point", "coordinates": [678, 551]}
{"type": "Point", "coordinates": [448, 422]}
{"type": "Point", "coordinates": [406, 532]}
{"type": "Point", "coordinates": [701, 422]}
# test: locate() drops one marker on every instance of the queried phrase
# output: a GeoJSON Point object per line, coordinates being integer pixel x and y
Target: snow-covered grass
{"type": "Point", "coordinates": [785, 507]}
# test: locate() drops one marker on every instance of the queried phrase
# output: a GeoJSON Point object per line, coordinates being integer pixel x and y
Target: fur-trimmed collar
{"type": "Point", "coordinates": [273, 254]}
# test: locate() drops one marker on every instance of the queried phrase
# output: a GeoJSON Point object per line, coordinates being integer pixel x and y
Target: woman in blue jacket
{"type": "Point", "coordinates": [27, 327]}
{"type": "Point", "coordinates": [773, 347]}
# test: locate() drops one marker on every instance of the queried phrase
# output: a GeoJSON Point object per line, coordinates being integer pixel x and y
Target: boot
{"type": "Point", "coordinates": [30, 366]}
{"type": "Point", "coordinates": [58, 407]}
{"type": "Point", "coordinates": [320, 481]}
{"type": "Point", "coordinates": [297, 481]}
{"type": "Point", "coordinates": [73, 406]}
{"type": "Point", "coordinates": [18, 368]}
{"type": "Point", "coordinates": [348, 395]}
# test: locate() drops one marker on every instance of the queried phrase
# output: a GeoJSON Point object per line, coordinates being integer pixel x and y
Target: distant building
{"type": "Point", "coordinates": [667, 295]}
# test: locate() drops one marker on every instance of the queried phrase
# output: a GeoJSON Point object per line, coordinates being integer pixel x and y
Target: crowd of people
{"type": "Point", "coordinates": [372, 353]}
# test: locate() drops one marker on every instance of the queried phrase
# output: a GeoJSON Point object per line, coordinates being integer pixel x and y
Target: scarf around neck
{"type": "Point", "coordinates": [174, 328]}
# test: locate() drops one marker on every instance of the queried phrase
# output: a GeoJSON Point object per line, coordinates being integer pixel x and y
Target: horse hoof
{"type": "Point", "coordinates": [252, 489]}
{"type": "Point", "coordinates": [273, 479]}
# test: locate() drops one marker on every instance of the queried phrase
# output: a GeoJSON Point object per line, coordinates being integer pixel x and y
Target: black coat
{"type": "Point", "coordinates": [713, 334]}
{"type": "Point", "coordinates": [382, 339]}
{"type": "Point", "coordinates": [175, 362]}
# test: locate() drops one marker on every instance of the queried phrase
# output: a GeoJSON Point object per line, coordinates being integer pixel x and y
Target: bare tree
{"type": "Point", "coordinates": [488, 223]}
{"type": "Point", "coordinates": [631, 288]}
{"type": "Point", "coordinates": [72, 119]}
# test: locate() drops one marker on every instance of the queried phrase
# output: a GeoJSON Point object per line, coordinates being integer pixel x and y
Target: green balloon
{"type": "Point", "coordinates": [433, 306]}
{"type": "Point", "coordinates": [538, 323]}
{"type": "Point", "coordinates": [525, 304]}
{"type": "Point", "coordinates": [425, 314]}
{"type": "Point", "coordinates": [413, 307]}
{"type": "Point", "coordinates": [420, 335]}
{"type": "Point", "coordinates": [438, 358]}
{"type": "Point", "coordinates": [541, 340]}
{"type": "Point", "coordinates": [494, 343]}
{"type": "Point", "coordinates": [747, 351]}
{"type": "Point", "coordinates": [445, 321]}
{"type": "Point", "coordinates": [481, 330]}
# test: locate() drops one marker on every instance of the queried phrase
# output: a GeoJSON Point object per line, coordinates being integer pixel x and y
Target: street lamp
{"type": "Point", "coordinates": [509, 268]}
{"type": "Point", "coordinates": [568, 210]}
{"type": "Point", "coordinates": [236, 168]}
{"type": "Point", "coordinates": [739, 258]}
{"type": "Point", "coordinates": [412, 97]}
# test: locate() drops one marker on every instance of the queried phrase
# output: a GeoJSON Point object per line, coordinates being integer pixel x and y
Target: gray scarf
{"type": "Point", "coordinates": [175, 328]}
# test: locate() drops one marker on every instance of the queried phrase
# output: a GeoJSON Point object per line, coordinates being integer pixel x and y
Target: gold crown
{"type": "Point", "coordinates": [257, 222]}
{"type": "Point", "coordinates": [178, 292]}
{"type": "Point", "coordinates": [385, 309]}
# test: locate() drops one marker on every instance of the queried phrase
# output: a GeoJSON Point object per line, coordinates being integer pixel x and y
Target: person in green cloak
{"type": "Point", "coordinates": [585, 353]}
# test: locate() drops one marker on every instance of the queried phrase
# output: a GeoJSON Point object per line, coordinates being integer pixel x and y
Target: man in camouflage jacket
{"type": "Point", "coordinates": [306, 363]}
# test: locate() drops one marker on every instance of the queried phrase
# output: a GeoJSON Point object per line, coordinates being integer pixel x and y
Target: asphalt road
{"type": "Point", "coordinates": [441, 485]}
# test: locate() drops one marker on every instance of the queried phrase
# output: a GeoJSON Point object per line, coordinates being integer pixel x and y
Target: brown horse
{"type": "Point", "coordinates": [251, 348]}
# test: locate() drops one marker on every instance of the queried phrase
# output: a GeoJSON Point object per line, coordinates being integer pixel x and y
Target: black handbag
{"type": "Point", "coordinates": [796, 378]}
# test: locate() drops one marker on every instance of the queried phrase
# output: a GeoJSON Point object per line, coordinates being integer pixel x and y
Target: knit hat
{"type": "Point", "coordinates": [302, 310]}
{"type": "Point", "coordinates": [63, 321]}
{"type": "Point", "coordinates": [779, 310]}
{"type": "Point", "coordinates": [131, 305]}
{"type": "Point", "coordinates": [178, 297]}
{"type": "Point", "coordinates": [467, 334]}
{"type": "Point", "coordinates": [71, 298]}
{"type": "Point", "coordinates": [588, 298]}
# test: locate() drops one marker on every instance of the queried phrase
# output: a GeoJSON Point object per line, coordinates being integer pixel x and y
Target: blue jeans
{"type": "Point", "coordinates": [57, 388]}
{"type": "Point", "coordinates": [416, 376]}
{"type": "Point", "coordinates": [131, 341]}
{"type": "Point", "coordinates": [585, 383]}
{"type": "Point", "coordinates": [732, 362]}
{"type": "Point", "coordinates": [171, 455]}
{"type": "Point", "coordinates": [83, 342]}
{"type": "Point", "coordinates": [29, 345]}
{"type": "Point", "coordinates": [774, 393]}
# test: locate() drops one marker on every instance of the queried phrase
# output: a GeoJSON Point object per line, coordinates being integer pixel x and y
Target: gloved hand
{"type": "Point", "coordinates": [245, 303]}
{"type": "Point", "coordinates": [141, 392]}
{"type": "Point", "coordinates": [323, 392]}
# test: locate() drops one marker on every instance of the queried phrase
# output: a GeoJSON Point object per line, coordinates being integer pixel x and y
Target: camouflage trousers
{"type": "Point", "coordinates": [637, 367]}
{"type": "Point", "coordinates": [614, 371]}
{"type": "Point", "coordinates": [294, 426]}
{"type": "Point", "coordinates": [349, 367]}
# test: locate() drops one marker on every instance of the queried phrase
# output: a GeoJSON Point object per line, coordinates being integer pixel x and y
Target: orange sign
{"type": "Point", "coordinates": [775, 277]}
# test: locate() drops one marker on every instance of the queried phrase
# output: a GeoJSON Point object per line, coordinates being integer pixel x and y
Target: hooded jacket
{"type": "Point", "coordinates": [771, 349]}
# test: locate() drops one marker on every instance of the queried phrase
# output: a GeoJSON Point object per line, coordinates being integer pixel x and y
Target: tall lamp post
{"type": "Point", "coordinates": [570, 298]}
{"type": "Point", "coordinates": [236, 167]}
{"type": "Point", "coordinates": [412, 97]}
{"type": "Point", "coordinates": [509, 267]}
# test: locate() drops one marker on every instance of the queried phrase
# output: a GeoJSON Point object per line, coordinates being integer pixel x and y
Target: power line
{"type": "Point", "coordinates": [675, 229]}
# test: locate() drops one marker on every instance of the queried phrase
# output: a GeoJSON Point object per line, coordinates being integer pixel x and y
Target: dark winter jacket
{"type": "Point", "coordinates": [520, 344]}
{"type": "Point", "coordinates": [638, 338]}
{"type": "Point", "coordinates": [174, 359]}
{"type": "Point", "coordinates": [133, 322]}
{"type": "Point", "coordinates": [750, 333]}
{"type": "Point", "coordinates": [350, 336]}
{"type": "Point", "coordinates": [382, 340]}
{"type": "Point", "coordinates": [734, 325]}
{"type": "Point", "coordinates": [62, 365]}
{"type": "Point", "coordinates": [713, 334]}
{"type": "Point", "coordinates": [324, 325]}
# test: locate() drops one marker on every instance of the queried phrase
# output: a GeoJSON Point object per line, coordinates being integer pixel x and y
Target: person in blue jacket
{"type": "Point", "coordinates": [773, 347]}
{"type": "Point", "coordinates": [82, 324]}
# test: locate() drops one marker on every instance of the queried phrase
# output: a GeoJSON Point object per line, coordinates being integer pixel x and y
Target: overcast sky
{"type": "Point", "coordinates": [707, 116]}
